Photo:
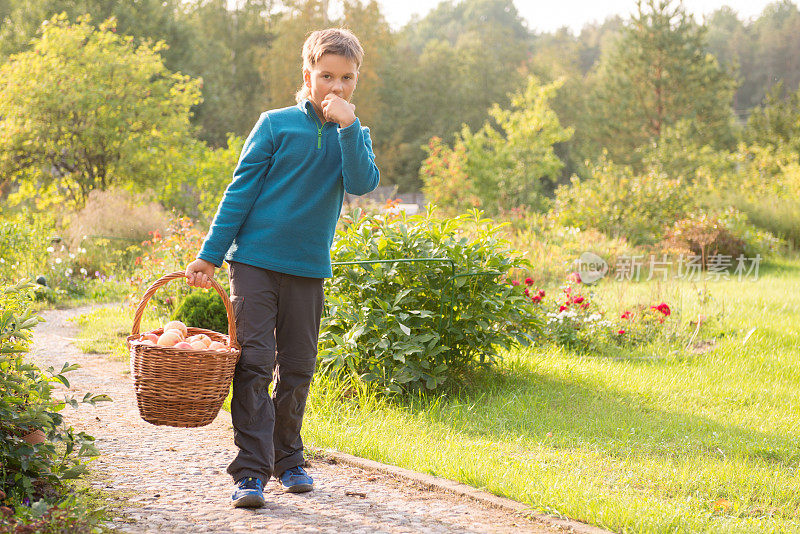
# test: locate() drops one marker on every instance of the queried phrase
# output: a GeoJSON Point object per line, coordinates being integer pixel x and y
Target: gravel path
{"type": "Point", "coordinates": [173, 480]}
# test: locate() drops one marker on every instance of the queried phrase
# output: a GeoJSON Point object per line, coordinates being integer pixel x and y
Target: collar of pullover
{"type": "Point", "coordinates": [307, 107]}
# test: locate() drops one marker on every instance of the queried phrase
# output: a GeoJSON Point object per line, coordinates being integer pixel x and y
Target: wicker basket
{"type": "Point", "coordinates": [182, 387]}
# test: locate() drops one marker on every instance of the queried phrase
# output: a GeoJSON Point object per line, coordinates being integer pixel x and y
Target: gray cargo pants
{"type": "Point", "coordinates": [277, 325]}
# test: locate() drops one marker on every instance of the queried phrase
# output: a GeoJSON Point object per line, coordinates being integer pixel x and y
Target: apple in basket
{"type": "Point", "coordinates": [149, 338]}
{"type": "Point", "coordinates": [170, 338]}
{"type": "Point", "coordinates": [216, 345]}
{"type": "Point", "coordinates": [177, 325]}
{"type": "Point", "coordinates": [198, 344]}
{"type": "Point", "coordinates": [200, 337]}
{"type": "Point", "coordinates": [183, 345]}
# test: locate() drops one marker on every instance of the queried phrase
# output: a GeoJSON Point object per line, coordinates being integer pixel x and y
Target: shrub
{"type": "Point", "coordinates": [724, 234]}
{"type": "Point", "coordinates": [203, 309]}
{"type": "Point", "coordinates": [575, 318]}
{"type": "Point", "coordinates": [620, 203]}
{"type": "Point", "coordinates": [162, 255]}
{"type": "Point", "coordinates": [509, 166]}
{"type": "Point", "coordinates": [110, 229]}
{"type": "Point", "coordinates": [32, 473]}
{"type": "Point", "coordinates": [703, 235]}
{"type": "Point", "coordinates": [557, 247]}
{"type": "Point", "coordinates": [420, 325]}
{"type": "Point", "coordinates": [30, 248]}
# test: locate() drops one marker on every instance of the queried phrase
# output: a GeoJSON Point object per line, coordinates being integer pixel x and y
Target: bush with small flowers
{"type": "Point", "coordinates": [575, 320]}
{"type": "Point", "coordinates": [162, 255]}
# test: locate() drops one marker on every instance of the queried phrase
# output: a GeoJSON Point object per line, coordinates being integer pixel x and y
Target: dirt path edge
{"type": "Point", "coordinates": [457, 488]}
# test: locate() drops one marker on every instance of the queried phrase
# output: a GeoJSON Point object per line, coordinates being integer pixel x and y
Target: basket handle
{"type": "Point", "coordinates": [137, 319]}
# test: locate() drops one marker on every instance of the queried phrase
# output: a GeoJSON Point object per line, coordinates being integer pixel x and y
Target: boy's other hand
{"type": "Point", "coordinates": [199, 273]}
{"type": "Point", "coordinates": [337, 109]}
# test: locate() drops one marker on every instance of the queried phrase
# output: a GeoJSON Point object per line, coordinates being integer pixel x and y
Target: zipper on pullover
{"type": "Point", "coordinates": [318, 126]}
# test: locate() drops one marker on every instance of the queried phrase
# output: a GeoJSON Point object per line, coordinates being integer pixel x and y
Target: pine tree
{"type": "Point", "coordinates": [657, 75]}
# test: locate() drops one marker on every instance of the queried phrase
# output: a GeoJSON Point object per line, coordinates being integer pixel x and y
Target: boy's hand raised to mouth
{"type": "Point", "coordinates": [337, 109]}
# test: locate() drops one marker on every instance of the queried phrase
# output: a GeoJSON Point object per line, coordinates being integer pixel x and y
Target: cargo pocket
{"type": "Point", "coordinates": [237, 302]}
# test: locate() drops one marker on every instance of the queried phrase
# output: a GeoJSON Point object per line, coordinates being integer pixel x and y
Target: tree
{"type": "Point", "coordinates": [447, 70]}
{"type": "Point", "coordinates": [777, 121]}
{"type": "Point", "coordinates": [776, 35]}
{"type": "Point", "coordinates": [503, 168]}
{"type": "Point", "coordinates": [658, 74]}
{"type": "Point", "coordinates": [154, 20]}
{"type": "Point", "coordinates": [229, 44]}
{"type": "Point", "coordinates": [85, 109]}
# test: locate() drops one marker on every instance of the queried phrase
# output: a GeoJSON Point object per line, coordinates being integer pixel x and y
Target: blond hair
{"type": "Point", "coordinates": [339, 41]}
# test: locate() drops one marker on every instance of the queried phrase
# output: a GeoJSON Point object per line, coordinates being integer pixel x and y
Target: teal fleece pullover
{"type": "Point", "coordinates": [280, 210]}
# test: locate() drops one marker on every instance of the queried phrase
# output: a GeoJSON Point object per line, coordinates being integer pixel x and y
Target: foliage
{"type": "Point", "coordinates": [85, 109]}
{"type": "Point", "coordinates": [761, 51]}
{"type": "Point", "coordinates": [23, 241]}
{"type": "Point", "coordinates": [164, 254]}
{"type": "Point", "coordinates": [444, 71]}
{"type": "Point", "coordinates": [420, 326]}
{"type": "Point", "coordinates": [500, 169]}
{"type": "Point", "coordinates": [576, 320]}
{"type": "Point", "coordinates": [203, 309]}
{"type": "Point", "coordinates": [553, 248]}
{"type": "Point", "coordinates": [777, 120]}
{"type": "Point", "coordinates": [34, 472]}
{"type": "Point", "coordinates": [226, 46]}
{"type": "Point", "coordinates": [198, 176]}
{"type": "Point", "coordinates": [444, 174]}
{"type": "Point", "coordinates": [764, 184]}
{"type": "Point", "coordinates": [657, 74]}
{"type": "Point", "coordinates": [109, 230]}
{"type": "Point", "coordinates": [619, 202]}
{"type": "Point", "coordinates": [704, 235]}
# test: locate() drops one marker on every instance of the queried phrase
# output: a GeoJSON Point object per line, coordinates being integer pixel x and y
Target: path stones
{"type": "Point", "coordinates": [173, 480]}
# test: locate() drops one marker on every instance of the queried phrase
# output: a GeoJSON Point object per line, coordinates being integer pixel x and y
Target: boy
{"type": "Point", "coordinates": [275, 227]}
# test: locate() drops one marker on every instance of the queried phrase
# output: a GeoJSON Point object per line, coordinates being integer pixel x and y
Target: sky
{"type": "Point", "coordinates": [547, 15]}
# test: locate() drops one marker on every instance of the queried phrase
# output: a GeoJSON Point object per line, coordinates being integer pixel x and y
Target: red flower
{"type": "Point", "coordinates": [541, 293]}
{"type": "Point", "coordinates": [663, 308]}
{"type": "Point", "coordinates": [529, 281]}
{"type": "Point", "coordinates": [562, 308]}
{"type": "Point", "coordinates": [536, 299]}
{"type": "Point", "coordinates": [626, 315]}
{"type": "Point", "coordinates": [515, 282]}
{"type": "Point", "coordinates": [620, 332]}
{"type": "Point", "coordinates": [584, 305]}
{"type": "Point", "coordinates": [575, 277]}
{"type": "Point", "coordinates": [577, 300]}
{"type": "Point", "coordinates": [527, 292]}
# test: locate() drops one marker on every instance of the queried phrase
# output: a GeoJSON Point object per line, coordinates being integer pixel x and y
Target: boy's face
{"type": "Point", "coordinates": [332, 74]}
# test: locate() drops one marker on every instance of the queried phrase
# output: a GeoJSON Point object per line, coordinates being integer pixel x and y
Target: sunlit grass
{"type": "Point", "coordinates": [662, 438]}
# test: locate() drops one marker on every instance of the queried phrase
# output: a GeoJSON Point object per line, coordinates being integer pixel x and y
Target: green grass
{"type": "Point", "coordinates": [656, 439]}
{"type": "Point", "coordinates": [105, 330]}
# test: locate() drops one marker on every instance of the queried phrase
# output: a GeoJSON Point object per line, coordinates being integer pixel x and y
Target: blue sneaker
{"type": "Point", "coordinates": [296, 480]}
{"type": "Point", "coordinates": [249, 493]}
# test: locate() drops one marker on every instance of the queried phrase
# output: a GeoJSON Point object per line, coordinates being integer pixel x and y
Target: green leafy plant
{"type": "Point", "coordinates": [203, 309]}
{"type": "Point", "coordinates": [429, 319]}
{"type": "Point", "coordinates": [31, 472]}
{"type": "Point", "coordinates": [619, 202]}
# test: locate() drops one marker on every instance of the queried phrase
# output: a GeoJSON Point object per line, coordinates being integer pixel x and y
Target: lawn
{"type": "Point", "coordinates": [650, 440]}
{"type": "Point", "coordinates": [662, 438]}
